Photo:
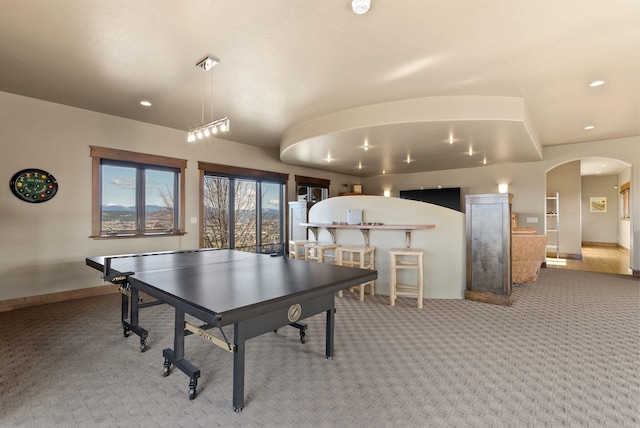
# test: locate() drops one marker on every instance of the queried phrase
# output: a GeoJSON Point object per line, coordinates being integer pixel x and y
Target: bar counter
{"type": "Point", "coordinates": [365, 228]}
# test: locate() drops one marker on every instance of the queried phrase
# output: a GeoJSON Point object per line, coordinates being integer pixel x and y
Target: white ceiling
{"type": "Point", "coordinates": [312, 78]}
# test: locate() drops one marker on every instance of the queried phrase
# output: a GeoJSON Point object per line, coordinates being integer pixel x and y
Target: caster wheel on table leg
{"type": "Point", "coordinates": [302, 336]}
{"type": "Point", "coordinates": [125, 331]}
{"type": "Point", "coordinates": [192, 388]}
{"type": "Point", "coordinates": [166, 368]}
{"type": "Point", "coordinates": [143, 344]}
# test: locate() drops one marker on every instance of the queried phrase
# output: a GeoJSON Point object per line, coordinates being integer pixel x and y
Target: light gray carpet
{"type": "Point", "coordinates": [565, 354]}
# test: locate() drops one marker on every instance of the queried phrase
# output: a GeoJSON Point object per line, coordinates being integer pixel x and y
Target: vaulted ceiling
{"type": "Point", "coordinates": [420, 84]}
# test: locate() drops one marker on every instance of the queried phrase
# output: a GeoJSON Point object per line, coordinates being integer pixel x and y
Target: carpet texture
{"type": "Point", "coordinates": [566, 353]}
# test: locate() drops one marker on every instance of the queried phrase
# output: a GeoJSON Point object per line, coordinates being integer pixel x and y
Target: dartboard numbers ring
{"type": "Point", "coordinates": [33, 185]}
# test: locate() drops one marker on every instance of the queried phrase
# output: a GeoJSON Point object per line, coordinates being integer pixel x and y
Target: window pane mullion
{"type": "Point", "coordinates": [258, 203]}
{"type": "Point", "coordinates": [140, 200]}
{"type": "Point", "coordinates": [232, 210]}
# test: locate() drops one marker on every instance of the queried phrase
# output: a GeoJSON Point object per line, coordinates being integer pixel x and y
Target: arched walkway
{"type": "Point", "coordinates": [589, 240]}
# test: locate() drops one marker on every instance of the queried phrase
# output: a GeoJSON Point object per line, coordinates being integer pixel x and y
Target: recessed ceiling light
{"type": "Point", "coordinates": [145, 103]}
{"type": "Point", "coordinates": [589, 127]}
{"type": "Point", "coordinates": [360, 6]}
{"type": "Point", "coordinates": [596, 83]}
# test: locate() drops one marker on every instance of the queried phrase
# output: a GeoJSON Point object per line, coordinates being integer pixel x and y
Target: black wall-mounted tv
{"type": "Point", "coordinates": [448, 198]}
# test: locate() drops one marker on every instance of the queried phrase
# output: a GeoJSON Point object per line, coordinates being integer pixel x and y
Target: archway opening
{"type": "Point", "coordinates": [585, 223]}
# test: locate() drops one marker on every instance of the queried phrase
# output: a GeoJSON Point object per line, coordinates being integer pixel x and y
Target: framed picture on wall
{"type": "Point", "coordinates": [357, 188]}
{"type": "Point", "coordinates": [598, 204]}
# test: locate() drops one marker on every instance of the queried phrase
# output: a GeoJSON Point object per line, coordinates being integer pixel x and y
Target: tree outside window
{"type": "Point", "coordinates": [242, 212]}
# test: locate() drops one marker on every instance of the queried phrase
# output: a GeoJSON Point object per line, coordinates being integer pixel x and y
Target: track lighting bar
{"type": "Point", "coordinates": [208, 129]}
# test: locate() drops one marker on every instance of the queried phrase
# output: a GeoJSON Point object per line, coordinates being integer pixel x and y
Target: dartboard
{"type": "Point", "coordinates": [33, 185]}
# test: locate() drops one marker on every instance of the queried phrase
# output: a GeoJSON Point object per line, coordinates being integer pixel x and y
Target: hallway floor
{"type": "Point", "coordinates": [604, 259]}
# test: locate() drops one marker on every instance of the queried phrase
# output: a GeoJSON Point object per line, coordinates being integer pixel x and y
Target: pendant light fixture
{"type": "Point", "coordinates": [213, 126]}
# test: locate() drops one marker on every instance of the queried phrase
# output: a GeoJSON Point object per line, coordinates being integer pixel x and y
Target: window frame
{"type": "Point", "coordinates": [233, 173]}
{"type": "Point", "coordinates": [625, 193]}
{"type": "Point", "coordinates": [98, 154]}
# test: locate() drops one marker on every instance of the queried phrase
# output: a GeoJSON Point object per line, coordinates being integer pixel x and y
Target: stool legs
{"type": "Point", "coordinates": [297, 249]}
{"type": "Point", "coordinates": [320, 252]}
{"type": "Point", "coordinates": [415, 263]}
{"type": "Point", "coordinates": [361, 257]}
{"type": "Point", "coordinates": [420, 283]}
{"type": "Point", "coordinates": [394, 281]}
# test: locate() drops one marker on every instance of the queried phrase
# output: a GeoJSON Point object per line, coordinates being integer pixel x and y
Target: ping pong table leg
{"type": "Point", "coordinates": [178, 337]}
{"type": "Point", "coordinates": [329, 331]}
{"type": "Point", "coordinates": [133, 321]}
{"type": "Point", "coordinates": [175, 356]}
{"type": "Point", "coordinates": [239, 337]}
{"type": "Point", "coordinates": [125, 314]}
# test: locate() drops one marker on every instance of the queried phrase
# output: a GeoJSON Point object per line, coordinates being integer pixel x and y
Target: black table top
{"type": "Point", "coordinates": [228, 282]}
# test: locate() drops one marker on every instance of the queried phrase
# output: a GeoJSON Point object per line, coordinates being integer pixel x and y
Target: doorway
{"type": "Point", "coordinates": [587, 227]}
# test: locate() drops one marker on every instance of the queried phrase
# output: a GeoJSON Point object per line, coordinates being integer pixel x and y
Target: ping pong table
{"type": "Point", "coordinates": [255, 293]}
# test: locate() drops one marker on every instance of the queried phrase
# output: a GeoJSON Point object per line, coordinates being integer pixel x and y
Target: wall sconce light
{"type": "Point", "coordinates": [503, 188]}
{"type": "Point", "coordinates": [387, 193]}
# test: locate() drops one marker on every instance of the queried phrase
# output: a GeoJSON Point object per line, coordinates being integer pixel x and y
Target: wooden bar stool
{"type": "Point", "coordinates": [360, 257]}
{"type": "Point", "coordinates": [406, 259]}
{"type": "Point", "coordinates": [296, 249]}
{"type": "Point", "coordinates": [322, 252]}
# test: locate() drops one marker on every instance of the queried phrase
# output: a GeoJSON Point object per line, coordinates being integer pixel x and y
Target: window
{"type": "Point", "coordinates": [242, 208]}
{"type": "Point", "coordinates": [136, 194]}
{"type": "Point", "coordinates": [625, 191]}
{"type": "Point", "coordinates": [312, 189]}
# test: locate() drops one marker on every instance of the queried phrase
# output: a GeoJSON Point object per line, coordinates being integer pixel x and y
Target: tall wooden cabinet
{"type": "Point", "coordinates": [489, 248]}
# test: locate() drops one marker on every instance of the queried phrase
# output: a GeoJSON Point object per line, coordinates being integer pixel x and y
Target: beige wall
{"type": "Point", "coordinates": [527, 181]}
{"type": "Point", "coordinates": [44, 245]}
{"type": "Point", "coordinates": [565, 181]}
{"type": "Point", "coordinates": [443, 246]}
{"type": "Point", "coordinates": [524, 182]}
{"type": "Point", "coordinates": [601, 227]}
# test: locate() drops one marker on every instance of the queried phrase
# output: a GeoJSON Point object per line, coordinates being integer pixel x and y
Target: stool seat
{"type": "Point", "coordinates": [360, 257]}
{"type": "Point", "coordinates": [296, 248]}
{"type": "Point", "coordinates": [406, 259]}
{"type": "Point", "coordinates": [322, 252]}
